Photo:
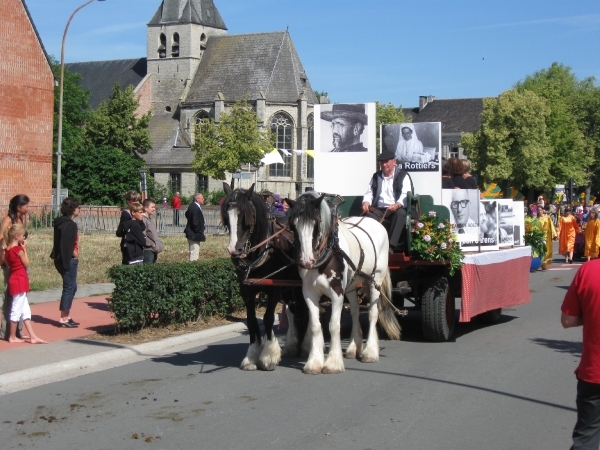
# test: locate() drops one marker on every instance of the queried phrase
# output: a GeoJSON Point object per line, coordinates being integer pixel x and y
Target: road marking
{"type": "Point", "coordinates": [566, 268]}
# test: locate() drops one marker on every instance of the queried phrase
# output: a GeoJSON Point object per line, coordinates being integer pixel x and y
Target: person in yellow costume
{"type": "Point", "coordinates": [592, 235]}
{"type": "Point", "coordinates": [567, 229]}
{"type": "Point", "coordinates": [549, 232]}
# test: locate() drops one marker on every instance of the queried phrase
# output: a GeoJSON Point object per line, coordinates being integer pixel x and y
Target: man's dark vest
{"type": "Point", "coordinates": [399, 175]}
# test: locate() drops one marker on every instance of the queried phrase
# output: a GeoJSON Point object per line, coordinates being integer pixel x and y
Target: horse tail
{"type": "Point", "coordinates": [387, 315]}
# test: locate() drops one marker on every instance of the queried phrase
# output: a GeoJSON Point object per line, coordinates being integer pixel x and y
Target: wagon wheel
{"type": "Point", "coordinates": [490, 317]}
{"type": "Point", "coordinates": [438, 311]}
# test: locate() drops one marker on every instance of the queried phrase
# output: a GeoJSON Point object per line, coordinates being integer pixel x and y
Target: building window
{"type": "Point", "coordinates": [281, 125]}
{"type": "Point", "coordinates": [175, 182]}
{"type": "Point", "coordinates": [203, 41]}
{"type": "Point", "coordinates": [175, 46]}
{"type": "Point", "coordinates": [201, 182]}
{"type": "Point", "coordinates": [199, 120]}
{"type": "Point", "coordinates": [310, 162]}
{"type": "Point", "coordinates": [162, 47]}
{"type": "Point", "coordinates": [453, 152]}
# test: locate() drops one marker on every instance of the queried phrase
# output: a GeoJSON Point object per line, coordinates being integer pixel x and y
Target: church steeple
{"type": "Point", "coordinates": [198, 12]}
{"type": "Point", "coordinates": [177, 37]}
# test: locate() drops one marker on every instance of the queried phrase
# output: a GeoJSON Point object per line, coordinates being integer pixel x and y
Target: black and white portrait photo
{"type": "Point", "coordinates": [464, 215]}
{"type": "Point", "coordinates": [519, 223]}
{"type": "Point", "coordinates": [344, 128]}
{"type": "Point", "coordinates": [488, 225]}
{"type": "Point", "coordinates": [416, 145]}
{"type": "Point", "coordinates": [506, 219]}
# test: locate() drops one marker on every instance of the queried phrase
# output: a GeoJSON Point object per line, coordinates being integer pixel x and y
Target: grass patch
{"type": "Point", "coordinates": [99, 252]}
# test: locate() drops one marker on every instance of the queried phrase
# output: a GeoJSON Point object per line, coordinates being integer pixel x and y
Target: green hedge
{"type": "Point", "coordinates": [159, 294]}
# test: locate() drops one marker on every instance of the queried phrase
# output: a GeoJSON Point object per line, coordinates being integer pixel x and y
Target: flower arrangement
{"type": "Point", "coordinates": [535, 237]}
{"type": "Point", "coordinates": [435, 240]}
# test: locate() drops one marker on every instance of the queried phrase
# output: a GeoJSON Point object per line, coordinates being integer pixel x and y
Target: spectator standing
{"type": "Point", "coordinates": [446, 178]}
{"type": "Point", "coordinates": [18, 208]}
{"type": "Point", "coordinates": [471, 180]}
{"type": "Point", "coordinates": [130, 198]}
{"type": "Point", "coordinates": [581, 307]}
{"type": "Point", "coordinates": [194, 229]}
{"type": "Point", "coordinates": [153, 243]}
{"type": "Point", "coordinates": [567, 229]}
{"type": "Point", "coordinates": [457, 170]}
{"type": "Point", "coordinates": [592, 235]}
{"type": "Point", "coordinates": [176, 205]}
{"type": "Point", "coordinates": [17, 260]}
{"type": "Point", "coordinates": [134, 238]}
{"type": "Point", "coordinates": [65, 253]}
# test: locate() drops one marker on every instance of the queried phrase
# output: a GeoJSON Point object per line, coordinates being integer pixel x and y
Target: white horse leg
{"type": "Point", "coordinates": [290, 350]}
{"type": "Point", "coordinates": [270, 354]}
{"type": "Point", "coordinates": [355, 347]}
{"type": "Point", "coordinates": [371, 353]}
{"type": "Point", "coordinates": [249, 362]}
{"type": "Point", "coordinates": [335, 361]}
{"type": "Point", "coordinates": [316, 356]}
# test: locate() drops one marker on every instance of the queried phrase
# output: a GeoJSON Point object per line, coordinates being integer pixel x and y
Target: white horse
{"type": "Point", "coordinates": [333, 264]}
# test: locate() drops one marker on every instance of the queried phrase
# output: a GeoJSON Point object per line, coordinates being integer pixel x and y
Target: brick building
{"type": "Point", "coordinates": [26, 108]}
{"type": "Point", "coordinates": [193, 71]}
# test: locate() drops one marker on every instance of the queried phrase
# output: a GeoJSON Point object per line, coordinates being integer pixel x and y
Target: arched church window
{"type": "Point", "coordinates": [200, 119]}
{"type": "Point", "coordinates": [310, 145]}
{"type": "Point", "coordinates": [282, 127]}
{"type": "Point", "coordinates": [162, 47]}
{"type": "Point", "coordinates": [175, 46]}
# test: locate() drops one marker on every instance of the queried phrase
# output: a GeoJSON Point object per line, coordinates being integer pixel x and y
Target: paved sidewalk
{"type": "Point", "coordinates": [67, 355]}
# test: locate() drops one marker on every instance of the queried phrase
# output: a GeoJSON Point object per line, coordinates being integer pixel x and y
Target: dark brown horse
{"type": "Point", "coordinates": [257, 252]}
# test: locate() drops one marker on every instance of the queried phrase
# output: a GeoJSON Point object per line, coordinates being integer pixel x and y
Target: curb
{"type": "Point", "coordinates": [49, 373]}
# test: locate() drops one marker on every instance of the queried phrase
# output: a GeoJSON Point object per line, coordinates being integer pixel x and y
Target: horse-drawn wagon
{"type": "Point", "coordinates": [486, 283]}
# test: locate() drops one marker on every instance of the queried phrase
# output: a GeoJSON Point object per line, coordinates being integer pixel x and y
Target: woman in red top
{"type": "Point", "coordinates": [17, 260]}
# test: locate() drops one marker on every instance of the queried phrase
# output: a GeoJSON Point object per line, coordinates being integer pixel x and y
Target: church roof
{"type": "Point", "coordinates": [459, 115]}
{"type": "Point", "coordinates": [241, 66]}
{"type": "Point", "coordinates": [99, 77]}
{"type": "Point", "coordinates": [170, 146]}
{"type": "Point", "coordinates": [200, 12]}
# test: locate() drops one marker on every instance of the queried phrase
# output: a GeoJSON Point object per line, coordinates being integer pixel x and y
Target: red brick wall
{"type": "Point", "coordinates": [26, 109]}
{"type": "Point", "coordinates": [144, 95]}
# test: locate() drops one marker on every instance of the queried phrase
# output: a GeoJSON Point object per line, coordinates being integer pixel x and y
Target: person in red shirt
{"type": "Point", "coordinates": [176, 205]}
{"type": "Point", "coordinates": [581, 307]}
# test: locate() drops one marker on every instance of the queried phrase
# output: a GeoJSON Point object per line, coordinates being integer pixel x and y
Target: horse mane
{"type": "Point", "coordinates": [244, 205]}
{"type": "Point", "coordinates": [306, 210]}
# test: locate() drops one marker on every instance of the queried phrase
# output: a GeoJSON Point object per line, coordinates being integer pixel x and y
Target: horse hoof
{"type": "Point", "coordinates": [329, 371]}
{"type": "Point", "coordinates": [268, 367]}
{"type": "Point", "coordinates": [369, 359]}
{"type": "Point", "coordinates": [310, 371]}
{"type": "Point", "coordinates": [350, 355]}
{"type": "Point", "coordinates": [248, 367]}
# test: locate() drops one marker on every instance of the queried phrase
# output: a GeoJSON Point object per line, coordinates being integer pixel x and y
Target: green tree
{"type": "Point", "coordinates": [235, 140]}
{"type": "Point", "coordinates": [512, 143]}
{"type": "Point", "coordinates": [387, 114]}
{"type": "Point", "coordinates": [571, 155]}
{"type": "Point", "coordinates": [115, 124]}
{"type": "Point", "coordinates": [76, 109]}
{"type": "Point", "coordinates": [100, 175]}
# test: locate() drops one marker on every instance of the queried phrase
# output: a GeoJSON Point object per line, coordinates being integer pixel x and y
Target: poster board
{"type": "Point", "coordinates": [519, 224]}
{"type": "Point", "coordinates": [345, 148]}
{"type": "Point", "coordinates": [488, 225]}
{"type": "Point", "coordinates": [463, 205]}
{"type": "Point", "coordinates": [417, 147]}
{"type": "Point", "coordinates": [506, 219]}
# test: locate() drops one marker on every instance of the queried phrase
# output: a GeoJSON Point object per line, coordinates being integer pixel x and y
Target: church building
{"type": "Point", "coordinates": [194, 71]}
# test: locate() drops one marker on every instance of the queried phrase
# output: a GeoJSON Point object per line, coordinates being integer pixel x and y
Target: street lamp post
{"type": "Point", "coordinates": [144, 186]}
{"type": "Point", "coordinates": [60, 104]}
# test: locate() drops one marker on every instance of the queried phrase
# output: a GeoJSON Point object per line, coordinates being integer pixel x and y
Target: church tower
{"type": "Point", "coordinates": [177, 36]}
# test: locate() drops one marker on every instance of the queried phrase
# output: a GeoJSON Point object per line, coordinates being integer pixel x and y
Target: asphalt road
{"type": "Point", "coordinates": [506, 386]}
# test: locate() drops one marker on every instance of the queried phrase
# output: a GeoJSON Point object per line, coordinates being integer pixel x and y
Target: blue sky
{"type": "Point", "coordinates": [362, 51]}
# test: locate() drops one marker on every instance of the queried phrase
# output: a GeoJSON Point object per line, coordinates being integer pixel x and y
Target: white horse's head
{"type": "Point", "coordinates": [310, 219]}
{"type": "Point", "coordinates": [244, 215]}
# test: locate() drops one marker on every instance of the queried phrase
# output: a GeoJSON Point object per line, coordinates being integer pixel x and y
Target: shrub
{"type": "Point", "coordinates": [159, 294]}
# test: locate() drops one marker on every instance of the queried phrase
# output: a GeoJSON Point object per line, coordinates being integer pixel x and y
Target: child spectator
{"type": "Point", "coordinates": [17, 260]}
{"type": "Point", "coordinates": [134, 239]}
